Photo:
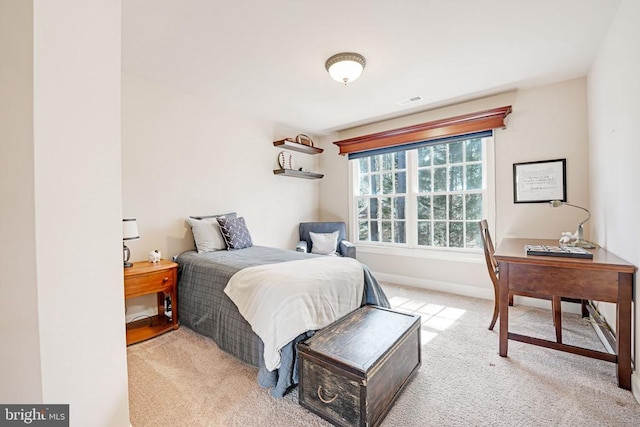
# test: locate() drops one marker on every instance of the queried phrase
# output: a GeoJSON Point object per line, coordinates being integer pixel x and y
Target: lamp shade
{"type": "Point", "coordinates": [130, 229]}
{"type": "Point", "coordinates": [345, 67]}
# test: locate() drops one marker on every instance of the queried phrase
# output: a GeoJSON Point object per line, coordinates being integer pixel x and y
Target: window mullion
{"type": "Point", "coordinates": [354, 229]}
{"type": "Point", "coordinates": [411, 212]}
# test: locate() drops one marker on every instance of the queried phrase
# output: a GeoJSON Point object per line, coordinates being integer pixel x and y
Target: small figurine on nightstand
{"type": "Point", "coordinates": [154, 256]}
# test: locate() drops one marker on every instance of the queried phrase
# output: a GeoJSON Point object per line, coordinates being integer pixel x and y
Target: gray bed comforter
{"type": "Point", "coordinates": [205, 308]}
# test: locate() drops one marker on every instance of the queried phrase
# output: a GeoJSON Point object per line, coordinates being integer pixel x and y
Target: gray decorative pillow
{"type": "Point", "coordinates": [235, 233]}
{"type": "Point", "coordinates": [206, 234]}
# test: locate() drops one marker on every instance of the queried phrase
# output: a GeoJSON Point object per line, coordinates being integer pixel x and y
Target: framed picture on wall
{"type": "Point", "coordinates": [540, 182]}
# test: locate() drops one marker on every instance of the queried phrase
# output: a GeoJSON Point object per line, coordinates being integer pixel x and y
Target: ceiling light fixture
{"type": "Point", "coordinates": [345, 67]}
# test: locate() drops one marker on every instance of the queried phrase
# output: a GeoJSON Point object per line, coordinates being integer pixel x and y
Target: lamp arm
{"type": "Point", "coordinates": [584, 209]}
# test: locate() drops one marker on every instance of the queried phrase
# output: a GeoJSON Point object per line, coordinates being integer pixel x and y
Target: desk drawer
{"type": "Point", "coordinates": [599, 285]}
{"type": "Point", "coordinates": [148, 283]}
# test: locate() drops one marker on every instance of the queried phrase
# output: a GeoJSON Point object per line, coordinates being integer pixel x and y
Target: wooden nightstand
{"type": "Point", "coordinates": [147, 278]}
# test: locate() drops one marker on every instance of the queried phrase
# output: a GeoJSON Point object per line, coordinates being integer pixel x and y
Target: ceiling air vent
{"type": "Point", "coordinates": [410, 100]}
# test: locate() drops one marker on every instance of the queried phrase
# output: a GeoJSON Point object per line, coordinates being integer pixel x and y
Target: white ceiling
{"type": "Point", "coordinates": [266, 58]}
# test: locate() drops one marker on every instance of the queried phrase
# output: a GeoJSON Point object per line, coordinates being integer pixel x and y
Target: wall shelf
{"type": "Point", "coordinates": [297, 174]}
{"type": "Point", "coordinates": [291, 145]}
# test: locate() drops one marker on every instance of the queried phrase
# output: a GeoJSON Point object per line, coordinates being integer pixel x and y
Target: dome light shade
{"type": "Point", "coordinates": [345, 67]}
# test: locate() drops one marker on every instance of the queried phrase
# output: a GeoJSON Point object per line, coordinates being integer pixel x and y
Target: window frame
{"type": "Point", "coordinates": [411, 248]}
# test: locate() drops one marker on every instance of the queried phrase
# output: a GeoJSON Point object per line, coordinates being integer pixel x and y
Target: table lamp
{"type": "Point", "coordinates": [580, 242]}
{"type": "Point", "coordinates": [129, 232]}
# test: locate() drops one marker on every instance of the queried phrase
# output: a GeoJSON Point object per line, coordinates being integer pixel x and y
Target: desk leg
{"type": "Point", "coordinates": [585, 311]}
{"type": "Point", "coordinates": [623, 330]}
{"type": "Point", "coordinates": [503, 307]}
{"type": "Point", "coordinates": [556, 303]}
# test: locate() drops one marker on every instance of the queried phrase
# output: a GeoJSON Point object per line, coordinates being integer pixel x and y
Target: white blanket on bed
{"type": "Point", "coordinates": [281, 301]}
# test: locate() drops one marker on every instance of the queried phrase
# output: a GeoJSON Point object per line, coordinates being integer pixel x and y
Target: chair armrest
{"type": "Point", "coordinates": [302, 246]}
{"type": "Point", "coordinates": [346, 248]}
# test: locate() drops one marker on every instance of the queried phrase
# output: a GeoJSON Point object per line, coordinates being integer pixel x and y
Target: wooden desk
{"type": "Point", "coordinates": [603, 278]}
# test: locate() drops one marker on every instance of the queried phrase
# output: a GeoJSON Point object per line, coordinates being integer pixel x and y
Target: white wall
{"type": "Point", "coordinates": [182, 155]}
{"type": "Point", "coordinates": [66, 145]}
{"type": "Point", "coordinates": [20, 377]}
{"type": "Point", "coordinates": [547, 122]}
{"type": "Point", "coordinates": [614, 109]}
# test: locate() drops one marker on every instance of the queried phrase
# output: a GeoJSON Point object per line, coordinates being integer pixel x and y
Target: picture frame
{"type": "Point", "coordinates": [540, 181]}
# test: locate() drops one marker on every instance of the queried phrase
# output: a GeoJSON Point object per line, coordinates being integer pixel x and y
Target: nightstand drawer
{"type": "Point", "coordinates": [148, 283]}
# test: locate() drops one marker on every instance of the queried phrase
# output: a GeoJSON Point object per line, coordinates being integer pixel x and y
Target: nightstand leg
{"type": "Point", "coordinates": [174, 307]}
{"type": "Point", "coordinates": [160, 296]}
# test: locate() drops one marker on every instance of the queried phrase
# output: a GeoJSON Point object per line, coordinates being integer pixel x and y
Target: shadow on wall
{"type": "Point", "coordinates": [175, 244]}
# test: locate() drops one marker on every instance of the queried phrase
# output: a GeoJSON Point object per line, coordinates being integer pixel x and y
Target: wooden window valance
{"type": "Point", "coordinates": [459, 125]}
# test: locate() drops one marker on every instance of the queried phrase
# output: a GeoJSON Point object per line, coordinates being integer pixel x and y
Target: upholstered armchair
{"type": "Point", "coordinates": [323, 231]}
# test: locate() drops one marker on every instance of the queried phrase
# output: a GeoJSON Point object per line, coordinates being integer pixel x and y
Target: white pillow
{"type": "Point", "coordinates": [207, 234]}
{"type": "Point", "coordinates": [324, 243]}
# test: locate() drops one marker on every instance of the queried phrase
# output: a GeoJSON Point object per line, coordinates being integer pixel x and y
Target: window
{"type": "Point", "coordinates": [382, 197]}
{"type": "Point", "coordinates": [428, 197]}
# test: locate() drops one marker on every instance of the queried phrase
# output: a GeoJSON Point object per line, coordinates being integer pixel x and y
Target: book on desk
{"type": "Point", "coordinates": [561, 251]}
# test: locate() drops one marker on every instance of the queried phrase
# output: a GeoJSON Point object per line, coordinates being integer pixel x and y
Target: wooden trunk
{"type": "Point", "coordinates": [352, 371]}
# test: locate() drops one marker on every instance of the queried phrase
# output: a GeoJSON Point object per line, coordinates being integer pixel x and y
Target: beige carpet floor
{"type": "Point", "coordinates": [183, 379]}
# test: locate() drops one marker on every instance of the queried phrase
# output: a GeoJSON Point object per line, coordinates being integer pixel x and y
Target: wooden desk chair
{"type": "Point", "coordinates": [492, 266]}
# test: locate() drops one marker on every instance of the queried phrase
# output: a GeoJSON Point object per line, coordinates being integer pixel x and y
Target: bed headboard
{"type": "Point", "coordinates": [228, 215]}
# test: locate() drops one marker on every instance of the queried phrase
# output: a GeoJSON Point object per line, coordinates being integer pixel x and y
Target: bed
{"type": "Point", "coordinates": [205, 307]}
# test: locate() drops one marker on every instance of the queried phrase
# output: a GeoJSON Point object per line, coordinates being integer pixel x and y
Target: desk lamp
{"type": "Point", "coordinates": [129, 232]}
{"type": "Point", "coordinates": [580, 242]}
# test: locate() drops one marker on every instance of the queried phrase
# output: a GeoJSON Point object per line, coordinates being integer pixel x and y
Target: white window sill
{"type": "Point", "coordinates": [459, 255]}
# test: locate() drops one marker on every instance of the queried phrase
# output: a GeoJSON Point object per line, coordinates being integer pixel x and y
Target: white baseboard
{"type": "Point", "coordinates": [434, 285]}
{"type": "Point", "coordinates": [469, 291]}
{"type": "Point", "coordinates": [635, 385]}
